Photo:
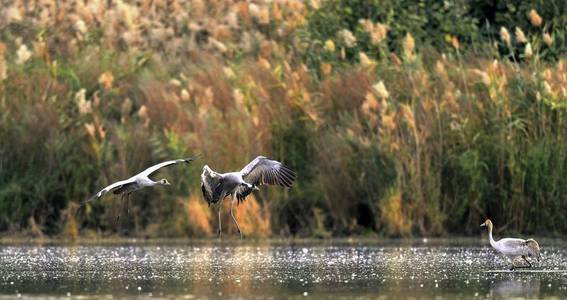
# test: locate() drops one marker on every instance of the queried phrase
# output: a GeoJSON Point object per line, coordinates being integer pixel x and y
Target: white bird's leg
{"type": "Point", "coordinates": [513, 265]}
{"type": "Point", "coordinates": [233, 198]}
{"type": "Point", "coordinates": [527, 261]}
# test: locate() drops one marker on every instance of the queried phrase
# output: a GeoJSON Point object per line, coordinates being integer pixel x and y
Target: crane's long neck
{"type": "Point", "coordinates": [149, 182]}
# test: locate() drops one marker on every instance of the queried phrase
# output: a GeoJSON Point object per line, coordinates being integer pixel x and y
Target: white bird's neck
{"type": "Point", "coordinates": [492, 241]}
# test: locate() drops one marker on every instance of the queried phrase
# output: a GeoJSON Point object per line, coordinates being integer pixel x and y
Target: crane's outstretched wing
{"type": "Point", "coordinates": [266, 171]}
{"type": "Point", "coordinates": [211, 185]}
{"type": "Point", "coordinates": [154, 168]}
{"type": "Point", "coordinates": [113, 187]}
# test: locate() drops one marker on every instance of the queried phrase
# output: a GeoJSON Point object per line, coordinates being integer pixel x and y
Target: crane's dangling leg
{"type": "Point", "coordinates": [128, 203]}
{"type": "Point", "coordinates": [232, 200]}
{"type": "Point", "coordinates": [220, 226]}
{"type": "Point", "coordinates": [121, 201]}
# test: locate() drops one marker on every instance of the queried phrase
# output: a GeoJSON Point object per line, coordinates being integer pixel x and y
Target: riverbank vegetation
{"type": "Point", "coordinates": [417, 118]}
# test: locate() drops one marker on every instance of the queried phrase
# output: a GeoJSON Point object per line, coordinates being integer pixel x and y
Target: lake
{"type": "Point", "coordinates": [331, 269]}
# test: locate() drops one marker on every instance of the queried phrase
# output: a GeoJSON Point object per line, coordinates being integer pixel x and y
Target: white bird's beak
{"type": "Point", "coordinates": [483, 224]}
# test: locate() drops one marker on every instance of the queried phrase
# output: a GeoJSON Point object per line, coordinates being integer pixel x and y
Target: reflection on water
{"type": "Point", "coordinates": [517, 287]}
{"type": "Point", "coordinates": [274, 269]}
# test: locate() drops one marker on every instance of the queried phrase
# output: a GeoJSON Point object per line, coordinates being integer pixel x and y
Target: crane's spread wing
{"type": "Point", "coordinates": [154, 168]}
{"type": "Point", "coordinates": [266, 171]}
{"type": "Point", "coordinates": [211, 185]}
{"type": "Point", "coordinates": [113, 187]}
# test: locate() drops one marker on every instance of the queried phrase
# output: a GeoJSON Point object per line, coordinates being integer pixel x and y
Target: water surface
{"type": "Point", "coordinates": [441, 269]}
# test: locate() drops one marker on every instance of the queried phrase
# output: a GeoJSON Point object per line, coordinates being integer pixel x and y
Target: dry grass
{"type": "Point", "coordinates": [397, 146]}
{"type": "Point", "coordinates": [196, 219]}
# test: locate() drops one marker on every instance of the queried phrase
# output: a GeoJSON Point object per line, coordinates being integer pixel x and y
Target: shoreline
{"type": "Point", "coordinates": [235, 241]}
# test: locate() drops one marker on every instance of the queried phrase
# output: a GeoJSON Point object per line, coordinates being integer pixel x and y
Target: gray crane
{"type": "Point", "coordinates": [238, 185]}
{"type": "Point", "coordinates": [138, 181]}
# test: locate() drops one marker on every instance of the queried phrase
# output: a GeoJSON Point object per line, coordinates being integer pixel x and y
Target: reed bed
{"type": "Point", "coordinates": [391, 132]}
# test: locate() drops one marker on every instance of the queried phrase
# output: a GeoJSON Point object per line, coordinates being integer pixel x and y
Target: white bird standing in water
{"type": "Point", "coordinates": [238, 185]}
{"type": "Point", "coordinates": [514, 248]}
{"type": "Point", "coordinates": [138, 181]}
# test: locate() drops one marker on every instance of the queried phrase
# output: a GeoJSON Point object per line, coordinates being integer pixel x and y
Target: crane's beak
{"type": "Point", "coordinates": [256, 188]}
{"type": "Point", "coordinates": [483, 224]}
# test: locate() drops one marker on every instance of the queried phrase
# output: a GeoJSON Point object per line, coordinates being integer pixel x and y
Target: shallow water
{"type": "Point", "coordinates": [441, 269]}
